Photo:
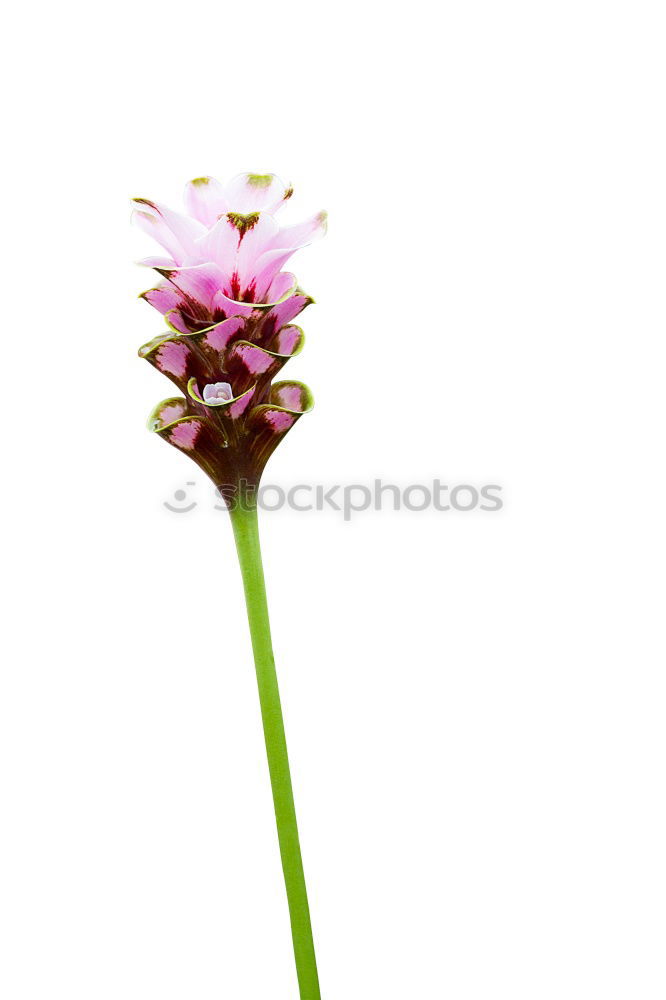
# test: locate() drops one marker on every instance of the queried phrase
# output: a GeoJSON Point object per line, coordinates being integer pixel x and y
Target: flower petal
{"type": "Point", "coordinates": [210, 343]}
{"type": "Point", "coordinates": [253, 360]}
{"type": "Point", "coordinates": [202, 440]}
{"type": "Point", "coordinates": [162, 262]}
{"type": "Point", "coordinates": [282, 286]}
{"type": "Point", "coordinates": [270, 421]}
{"type": "Point", "coordinates": [302, 234]}
{"type": "Point", "coordinates": [180, 321]}
{"type": "Point", "coordinates": [220, 245]}
{"type": "Point", "coordinates": [230, 307]}
{"type": "Point", "coordinates": [176, 233]}
{"type": "Point", "coordinates": [282, 313]}
{"type": "Point", "coordinates": [256, 193]}
{"type": "Point", "coordinates": [247, 363]}
{"type": "Point", "coordinates": [266, 269]}
{"type": "Point", "coordinates": [198, 283]}
{"type": "Point", "coordinates": [288, 342]}
{"type": "Point", "coordinates": [218, 337]}
{"type": "Point", "coordinates": [176, 357]}
{"type": "Point", "coordinates": [166, 412]}
{"type": "Point", "coordinates": [205, 200]}
{"type": "Point", "coordinates": [294, 397]}
{"type": "Point", "coordinates": [163, 298]}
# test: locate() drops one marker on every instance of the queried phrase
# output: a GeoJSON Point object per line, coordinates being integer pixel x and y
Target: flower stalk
{"type": "Point", "coordinates": [246, 533]}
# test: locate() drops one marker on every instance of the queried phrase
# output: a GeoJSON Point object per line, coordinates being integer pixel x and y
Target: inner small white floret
{"type": "Point", "coordinates": [217, 392]}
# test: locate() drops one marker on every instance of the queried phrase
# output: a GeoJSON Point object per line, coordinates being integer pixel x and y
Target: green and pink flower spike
{"type": "Point", "coordinates": [228, 307]}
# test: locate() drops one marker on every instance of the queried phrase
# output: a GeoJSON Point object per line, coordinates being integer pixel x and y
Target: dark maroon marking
{"type": "Point", "coordinates": [243, 223]}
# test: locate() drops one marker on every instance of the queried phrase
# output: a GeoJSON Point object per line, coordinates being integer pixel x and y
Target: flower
{"type": "Point", "coordinates": [228, 306]}
{"type": "Point", "coordinates": [218, 392]}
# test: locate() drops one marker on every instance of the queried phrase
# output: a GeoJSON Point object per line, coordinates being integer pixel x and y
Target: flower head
{"type": "Point", "coordinates": [228, 305]}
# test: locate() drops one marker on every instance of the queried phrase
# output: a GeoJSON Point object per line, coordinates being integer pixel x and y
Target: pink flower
{"type": "Point", "coordinates": [229, 307]}
{"type": "Point", "coordinates": [227, 255]}
{"type": "Point", "coordinates": [217, 392]}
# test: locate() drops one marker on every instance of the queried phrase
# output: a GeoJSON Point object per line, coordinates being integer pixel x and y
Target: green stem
{"type": "Point", "coordinates": [246, 532]}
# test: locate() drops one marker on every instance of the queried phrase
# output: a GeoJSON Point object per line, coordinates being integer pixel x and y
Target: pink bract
{"type": "Point", "coordinates": [228, 253]}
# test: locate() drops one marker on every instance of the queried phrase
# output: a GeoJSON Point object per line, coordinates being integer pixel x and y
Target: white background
{"type": "Point", "coordinates": [474, 702]}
